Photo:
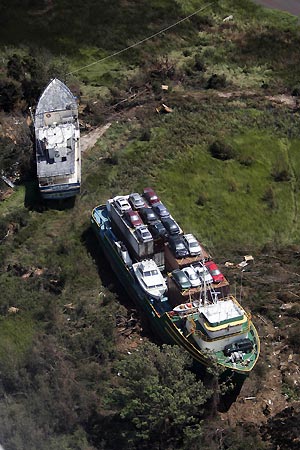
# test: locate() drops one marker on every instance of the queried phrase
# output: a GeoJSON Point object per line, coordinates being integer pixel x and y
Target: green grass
{"type": "Point", "coordinates": [235, 214]}
{"type": "Point", "coordinates": [15, 201]}
{"type": "Point", "coordinates": [16, 333]}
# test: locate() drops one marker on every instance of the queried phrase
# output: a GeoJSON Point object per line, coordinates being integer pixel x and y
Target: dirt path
{"type": "Point", "coordinates": [89, 140]}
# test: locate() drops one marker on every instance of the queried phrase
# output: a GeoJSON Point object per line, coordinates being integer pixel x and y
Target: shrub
{"type": "Point", "coordinates": [15, 68]}
{"type": "Point", "coordinates": [295, 311]}
{"type": "Point", "coordinates": [281, 172]}
{"type": "Point", "coordinates": [202, 199]}
{"type": "Point", "coordinates": [246, 160]}
{"type": "Point", "coordinates": [221, 150]}
{"type": "Point", "coordinates": [162, 69]}
{"type": "Point", "coordinates": [16, 159]}
{"type": "Point", "coordinates": [216, 81]}
{"type": "Point", "coordinates": [296, 91]}
{"type": "Point", "coordinates": [269, 198]}
{"type": "Point", "coordinates": [11, 94]}
{"type": "Point", "coordinates": [294, 337]}
{"type": "Point", "coordinates": [145, 135]}
{"type": "Point", "coordinates": [199, 64]}
{"type": "Point", "coordinates": [186, 52]}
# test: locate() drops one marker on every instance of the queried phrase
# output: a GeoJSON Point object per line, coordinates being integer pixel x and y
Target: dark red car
{"type": "Point", "coordinates": [150, 196]}
{"type": "Point", "coordinates": [133, 218]}
{"type": "Point", "coordinates": [214, 271]}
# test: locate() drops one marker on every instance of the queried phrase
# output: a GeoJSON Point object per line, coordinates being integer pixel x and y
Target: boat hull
{"type": "Point", "coordinates": [59, 191]}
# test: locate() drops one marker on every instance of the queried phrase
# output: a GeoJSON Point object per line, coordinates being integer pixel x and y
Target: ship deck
{"type": "Point", "coordinates": [56, 150]}
{"type": "Point", "coordinates": [249, 358]}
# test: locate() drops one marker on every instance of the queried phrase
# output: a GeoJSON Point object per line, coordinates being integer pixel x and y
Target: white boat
{"type": "Point", "coordinates": [57, 136]}
{"type": "Point", "coordinates": [150, 278]}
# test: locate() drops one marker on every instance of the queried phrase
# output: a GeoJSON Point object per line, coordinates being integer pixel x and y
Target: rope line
{"type": "Point", "coordinates": [143, 40]}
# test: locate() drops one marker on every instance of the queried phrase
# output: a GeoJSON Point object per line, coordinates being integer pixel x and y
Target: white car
{"type": "Point", "coordinates": [143, 234]}
{"type": "Point", "coordinates": [203, 273]}
{"type": "Point", "coordinates": [121, 203]}
{"type": "Point", "coordinates": [192, 244]}
{"type": "Point", "coordinates": [192, 276]}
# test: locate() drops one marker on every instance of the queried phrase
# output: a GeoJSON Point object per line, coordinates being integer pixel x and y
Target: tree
{"type": "Point", "coordinates": [157, 401]}
{"type": "Point", "coordinates": [15, 67]}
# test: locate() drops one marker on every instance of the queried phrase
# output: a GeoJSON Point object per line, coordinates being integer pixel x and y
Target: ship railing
{"type": "Point", "coordinates": [231, 297]}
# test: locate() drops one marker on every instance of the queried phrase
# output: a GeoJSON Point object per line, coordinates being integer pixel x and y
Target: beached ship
{"type": "Point", "coordinates": [57, 136]}
{"type": "Point", "coordinates": [203, 318]}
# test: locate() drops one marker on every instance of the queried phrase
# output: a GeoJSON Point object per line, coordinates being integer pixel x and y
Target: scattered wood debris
{"type": "Point", "coordinates": [69, 306]}
{"type": "Point", "coordinates": [228, 18]}
{"type": "Point", "coordinates": [128, 325]}
{"type": "Point", "coordinates": [13, 310]}
{"type": "Point", "coordinates": [248, 258]}
{"type": "Point", "coordinates": [8, 182]}
{"type": "Point", "coordinates": [163, 109]}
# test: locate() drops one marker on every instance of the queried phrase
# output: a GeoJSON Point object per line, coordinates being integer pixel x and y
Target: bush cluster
{"type": "Point", "coordinates": [222, 150]}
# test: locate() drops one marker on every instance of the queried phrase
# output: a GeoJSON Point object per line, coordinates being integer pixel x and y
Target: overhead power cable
{"type": "Point", "coordinates": [143, 40]}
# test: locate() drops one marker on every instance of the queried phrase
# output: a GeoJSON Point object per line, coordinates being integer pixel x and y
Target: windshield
{"type": "Point", "coordinates": [157, 286]}
{"type": "Point", "coordinates": [193, 276]}
{"type": "Point", "coordinates": [150, 273]}
{"type": "Point", "coordinates": [216, 272]}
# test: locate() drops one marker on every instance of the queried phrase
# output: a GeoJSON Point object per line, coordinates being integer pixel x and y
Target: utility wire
{"type": "Point", "coordinates": [143, 40]}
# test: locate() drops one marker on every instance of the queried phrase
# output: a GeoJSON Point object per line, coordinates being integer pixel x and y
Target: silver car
{"type": "Point", "coordinates": [136, 201]}
{"type": "Point", "coordinates": [143, 234]}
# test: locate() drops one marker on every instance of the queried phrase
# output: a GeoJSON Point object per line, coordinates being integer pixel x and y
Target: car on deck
{"type": "Point", "coordinates": [192, 276]}
{"type": "Point", "coordinates": [215, 272]}
{"type": "Point", "coordinates": [160, 210]}
{"type": "Point", "coordinates": [170, 225]}
{"type": "Point", "coordinates": [148, 215]}
{"type": "Point", "coordinates": [192, 244]}
{"type": "Point", "coordinates": [176, 244]}
{"type": "Point", "coordinates": [136, 201]}
{"type": "Point", "coordinates": [143, 234]}
{"type": "Point", "coordinates": [133, 218]}
{"type": "Point", "coordinates": [157, 230]}
{"type": "Point", "coordinates": [203, 273]}
{"type": "Point", "coordinates": [181, 279]}
{"type": "Point", "coordinates": [150, 195]}
{"type": "Point", "coordinates": [121, 204]}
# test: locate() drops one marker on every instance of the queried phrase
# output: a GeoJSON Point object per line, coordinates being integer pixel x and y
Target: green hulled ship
{"type": "Point", "coordinates": [207, 321]}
